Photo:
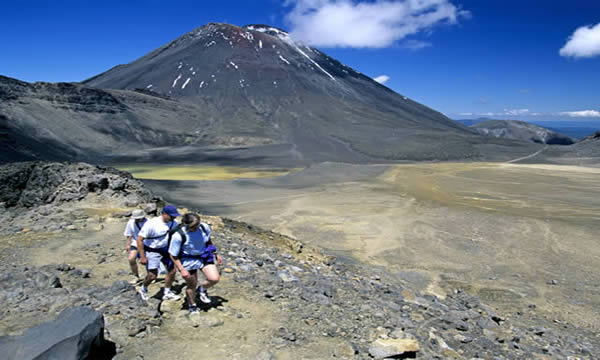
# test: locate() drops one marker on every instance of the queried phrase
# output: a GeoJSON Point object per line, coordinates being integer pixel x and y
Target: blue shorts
{"type": "Point", "coordinates": [194, 264]}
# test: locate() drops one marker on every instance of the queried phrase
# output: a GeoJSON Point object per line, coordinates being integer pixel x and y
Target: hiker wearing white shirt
{"type": "Point", "coordinates": [153, 246]}
{"type": "Point", "coordinates": [191, 249]}
{"type": "Point", "coordinates": [133, 227]}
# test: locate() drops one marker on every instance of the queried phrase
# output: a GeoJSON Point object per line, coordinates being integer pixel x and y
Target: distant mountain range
{"type": "Point", "coordinates": [228, 93]}
{"type": "Point", "coordinates": [521, 130]}
{"type": "Point", "coordinates": [574, 129]}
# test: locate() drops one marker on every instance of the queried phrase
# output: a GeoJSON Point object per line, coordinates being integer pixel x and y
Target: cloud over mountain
{"type": "Point", "coordinates": [366, 24]}
{"type": "Point", "coordinates": [581, 113]}
{"type": "Point", "coordinates": [584, 43]}
{"type": "Point", "coordinates": [382, 79]}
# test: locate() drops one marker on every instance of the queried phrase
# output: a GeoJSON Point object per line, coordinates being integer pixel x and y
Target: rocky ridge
{"type": "Point", "coordinates": [364, 311]}
{"type": "Point", "coordinates": [46, 196]}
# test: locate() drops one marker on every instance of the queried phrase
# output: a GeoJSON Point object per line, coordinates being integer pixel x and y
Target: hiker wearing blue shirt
{"type": "Point", "coordinates": [153, 245]}
{"type": "Point", "coordinates": [134, 225]}
{"type": "Point", "coordinates": [191, 249]}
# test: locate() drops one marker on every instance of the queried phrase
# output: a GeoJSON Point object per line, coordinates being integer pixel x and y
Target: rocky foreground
{"type": "Point", "coordinates": [277, 300]}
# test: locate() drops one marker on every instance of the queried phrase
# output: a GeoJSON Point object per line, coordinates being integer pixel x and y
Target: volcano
{"type": "Point", "coordinates": [254, 90]}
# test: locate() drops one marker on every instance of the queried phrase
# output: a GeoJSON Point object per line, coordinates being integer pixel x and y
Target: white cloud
{"type": "Point", "coordinates": [516, 112]}
{"type": "Point", "coordinates": [366, 24]}
{"type": "Point", "coordinates": [416, 44]}
{"type": "Point", "coordinates": [382, 79]}
{"type": "Point", "coordinates": [506, 112]}
{"type": "Point", "coordinates": [585, 42]}
{"type": "Point", "coordinates": [526, 113]}
{"type": "Point", "coordinates": [582, 113]}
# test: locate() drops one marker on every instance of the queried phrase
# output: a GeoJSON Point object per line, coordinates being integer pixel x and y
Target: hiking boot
{"type": "Point", "coordinates": [143, 294]}
{"type": "Point", "coordinates": [203, 295]}
{"type": "Point", "coordinates": [134, 280]}
{"type": "Point", "coordinates": [170, 296]}
{"type": "Point", "coordinates": [194, 310]}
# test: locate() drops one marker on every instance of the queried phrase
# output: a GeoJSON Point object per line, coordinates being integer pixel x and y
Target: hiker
{"type": "Point", "coordinates": [153, 247]}
{"type": "Point", "coordinates": [133, 227]}
{"type": "Point", "coordinates": [191, 249]}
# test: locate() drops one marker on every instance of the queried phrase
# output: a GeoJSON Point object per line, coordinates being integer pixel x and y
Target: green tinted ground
{"type": "Point", "coordinates": [195, 172]}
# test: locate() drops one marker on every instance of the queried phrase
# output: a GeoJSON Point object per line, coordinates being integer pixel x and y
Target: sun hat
{"type": "Point", "coordinates": [171, 211]}
{"type": "Point", "coordinates": [138, 214]}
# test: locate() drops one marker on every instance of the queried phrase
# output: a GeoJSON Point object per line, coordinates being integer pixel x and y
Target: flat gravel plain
{"type": "Point", "coordinates": [513, 234]}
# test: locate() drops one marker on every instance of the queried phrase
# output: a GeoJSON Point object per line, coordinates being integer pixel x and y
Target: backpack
{"type": "Point", "coordinates": [179, 230]}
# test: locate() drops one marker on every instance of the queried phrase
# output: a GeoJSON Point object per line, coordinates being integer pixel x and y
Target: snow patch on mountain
{"type": "Point", "coordinates": [175, 81]}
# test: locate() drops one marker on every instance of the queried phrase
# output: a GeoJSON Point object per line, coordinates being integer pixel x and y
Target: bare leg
{"type": "Point", "coordinates": [169, 278]}
{"type": "Point", "coordinates": [212, 275]}
{"type": "Point", "coordinates": [133, 262]}
{"type": "Point", "coordinates": [150, 277]}
{"type": "Point", "coordinates": [190, 290]}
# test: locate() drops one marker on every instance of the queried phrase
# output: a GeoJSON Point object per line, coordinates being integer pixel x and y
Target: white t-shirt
{"type": "Point", "coordinates": [156, 232]}
{"type": "Point", "coordinates": [132, 229]}
{"type": "Point", "coordinates": [195, 243]}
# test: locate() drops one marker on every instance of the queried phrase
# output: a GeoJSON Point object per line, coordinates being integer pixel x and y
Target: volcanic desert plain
{"type": "Point", "coordinates": [515, 234]}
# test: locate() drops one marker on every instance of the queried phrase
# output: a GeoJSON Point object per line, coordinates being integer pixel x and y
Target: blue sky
{"type": "Point", "coordinates": [471, 58]}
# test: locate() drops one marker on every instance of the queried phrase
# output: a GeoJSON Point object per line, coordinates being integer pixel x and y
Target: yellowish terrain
{"type": "Point", "coordinates": [198, 172]}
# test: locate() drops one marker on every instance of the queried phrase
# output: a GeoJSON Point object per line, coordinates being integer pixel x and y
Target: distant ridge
{"type": "Point", "coordinates": [521, 130]}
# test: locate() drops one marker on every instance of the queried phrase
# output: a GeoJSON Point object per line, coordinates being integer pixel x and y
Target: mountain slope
{"type": "Point", "coordinates": [259, 86]}
{"type": "Point", "coordinates": [589, 146]}
{"type": "Point", "coordinates": [67, 121]}
{"type": "Point", "coordinates": [521, 130]}
{"type": "Point", "coordinates": [232, 95]}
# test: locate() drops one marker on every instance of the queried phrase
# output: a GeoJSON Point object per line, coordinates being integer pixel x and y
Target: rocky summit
{"type": "Point", "coordinates": [242, 92]}
{"type": "Point", "coordinates": [278, 299]}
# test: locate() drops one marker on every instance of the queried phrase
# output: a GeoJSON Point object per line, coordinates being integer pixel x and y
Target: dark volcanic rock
{"type": "Point", "coordinates": [13, 181]}
{"type": "Point", "coordinates": [37, 183]}
{"type": "Point", "coordinates": [77, 333]}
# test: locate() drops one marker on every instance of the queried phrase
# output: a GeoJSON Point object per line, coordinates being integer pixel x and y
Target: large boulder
{"type": "Point", "coordinates": [31, 184]}
{"type": "Point", "coordinates": [77, 333]}
{"type": "Point", "coordinates": [13, 180]}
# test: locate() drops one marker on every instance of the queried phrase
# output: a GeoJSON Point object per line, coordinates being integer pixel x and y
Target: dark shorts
{"type": "Point", "coordinates": [134, 248]}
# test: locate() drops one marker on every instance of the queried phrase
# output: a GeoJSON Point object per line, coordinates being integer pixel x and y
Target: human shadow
{"type": "Point", "coordinates": [215, 301]}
